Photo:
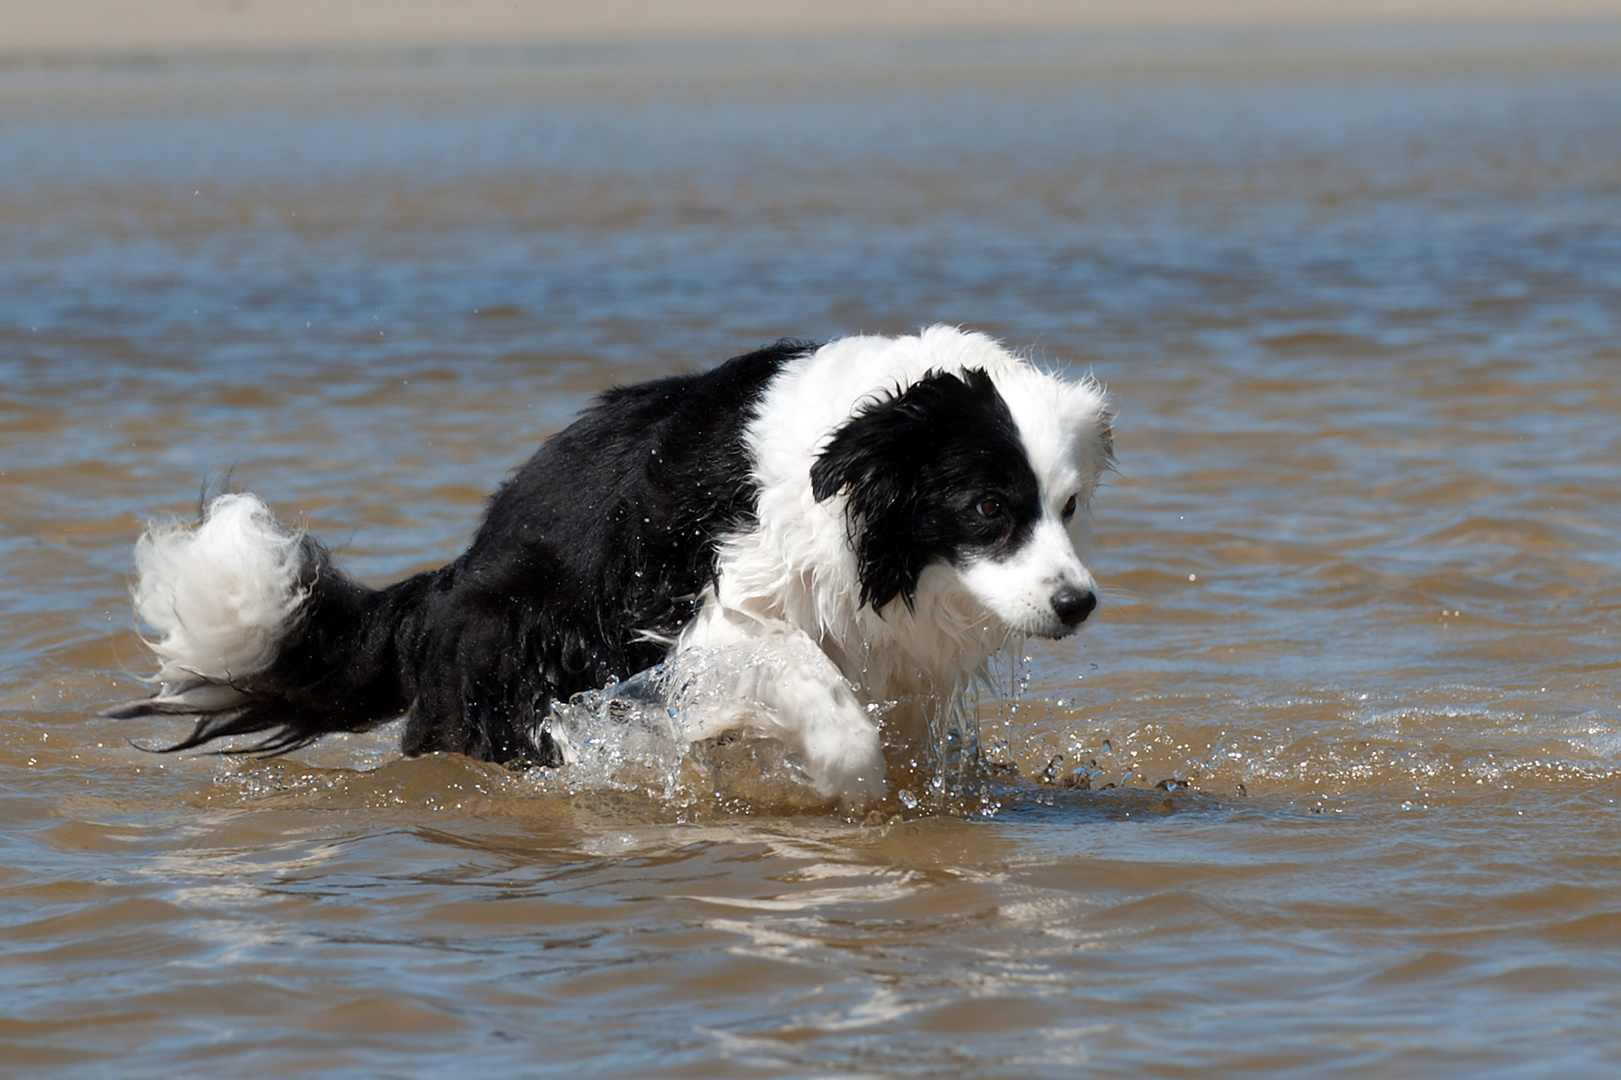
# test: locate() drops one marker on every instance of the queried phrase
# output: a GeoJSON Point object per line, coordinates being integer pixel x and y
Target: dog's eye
{"type": "Point", "coordinates": [990, 508]}
{"type": "Point", "coordinates": [1069, 508]}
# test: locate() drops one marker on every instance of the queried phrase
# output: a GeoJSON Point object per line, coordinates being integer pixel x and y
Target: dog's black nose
{"type": "Point", "coordinates": [1074, 605]}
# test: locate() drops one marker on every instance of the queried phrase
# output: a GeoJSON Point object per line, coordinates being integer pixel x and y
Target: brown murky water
{"type": "Point", "coordinates": [1327, 789]}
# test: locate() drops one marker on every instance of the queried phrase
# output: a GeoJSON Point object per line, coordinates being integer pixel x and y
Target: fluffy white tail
{"type": "Point", "coordinates": [259, 634]}
{"type": "Point", "coordinates": [222, 594]}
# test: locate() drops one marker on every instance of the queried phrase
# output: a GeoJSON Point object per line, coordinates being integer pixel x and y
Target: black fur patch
{"type": "Point", "coordinates": [609, 531]}
{"type": "Point", "coordinates": [919, 470]}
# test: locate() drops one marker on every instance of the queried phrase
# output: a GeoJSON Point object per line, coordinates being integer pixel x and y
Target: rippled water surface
{"type": "Point", "coordinates": [1327, 788]}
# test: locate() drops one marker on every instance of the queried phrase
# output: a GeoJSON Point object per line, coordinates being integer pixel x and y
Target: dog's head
{"type": "Point", "coordinates": [987, 476]}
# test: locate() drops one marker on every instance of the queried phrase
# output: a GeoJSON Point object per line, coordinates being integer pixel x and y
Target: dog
{"type": "Point", "coordinates": [823, 545]}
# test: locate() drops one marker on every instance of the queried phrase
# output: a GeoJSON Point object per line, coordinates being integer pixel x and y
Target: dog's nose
{"type": "Point", "coordinates": [1074, 605]}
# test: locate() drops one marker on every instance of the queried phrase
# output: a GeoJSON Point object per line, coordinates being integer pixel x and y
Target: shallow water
{"type": "Point", "coordinates": [1357, 298]}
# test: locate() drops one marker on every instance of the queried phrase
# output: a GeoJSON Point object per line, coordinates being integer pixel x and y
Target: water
{"type": "Point", "coordinates": [1327, 788]}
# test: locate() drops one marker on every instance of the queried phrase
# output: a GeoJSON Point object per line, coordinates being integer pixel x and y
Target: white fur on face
{"type": "Point", "coordinates": [1019, 589]}
{"type": "Point", "coordinates": [797, 563]}
{"type": "Point", "coordinates": [1062, 427]}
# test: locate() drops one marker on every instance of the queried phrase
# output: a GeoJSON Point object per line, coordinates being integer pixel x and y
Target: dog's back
{"type": "Point", "coordinates": [588, 561]}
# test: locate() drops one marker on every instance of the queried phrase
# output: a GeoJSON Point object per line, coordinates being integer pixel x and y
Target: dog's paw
{"type": "Point", "coordinates": [846, 764]}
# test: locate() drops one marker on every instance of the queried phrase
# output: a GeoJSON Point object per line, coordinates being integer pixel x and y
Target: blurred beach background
{"type": "Point", "coordinates": [1327, 787]}
{"type": "Point", "coordinates": [168, 25]}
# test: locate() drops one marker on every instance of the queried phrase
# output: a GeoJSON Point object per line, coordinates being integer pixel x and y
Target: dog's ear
{"type": "Point", "coordinates": [881, 460]}
{"type": "Point", "coordinates": [874, 460]}
{"type": "Point", "coordinates": [867, 456]}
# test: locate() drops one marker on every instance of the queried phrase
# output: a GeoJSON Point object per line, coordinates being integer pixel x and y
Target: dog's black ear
{"type": "Point", "coordinates": [881, 460]}
{"type": "Point", "coordinates": [874, 460]}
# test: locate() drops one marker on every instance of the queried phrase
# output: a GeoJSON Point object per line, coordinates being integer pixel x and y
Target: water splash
{"type": "Point", "coordinates": [650, 734]}
{"type": "Point", "coordinates": [645, 735]}
{"type": "Point", "coordinates": [624, 737]}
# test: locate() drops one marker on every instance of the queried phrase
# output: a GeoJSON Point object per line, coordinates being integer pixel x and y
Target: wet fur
{"type": "Point", "coordinates": [822, 506]}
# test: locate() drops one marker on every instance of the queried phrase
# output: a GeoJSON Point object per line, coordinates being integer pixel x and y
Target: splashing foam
{"type": "Point", "coordinates": [646, 735]}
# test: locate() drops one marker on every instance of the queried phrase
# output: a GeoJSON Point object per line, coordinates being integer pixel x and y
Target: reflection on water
{"type": "Point", "coordinates": [1329, 785]}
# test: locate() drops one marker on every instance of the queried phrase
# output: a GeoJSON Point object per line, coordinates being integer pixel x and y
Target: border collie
{"type": "Point", "coordinates": [820, 542]}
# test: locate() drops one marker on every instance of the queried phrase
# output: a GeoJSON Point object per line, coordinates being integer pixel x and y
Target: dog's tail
{"type": "Point", "coordinates": [260, 635]}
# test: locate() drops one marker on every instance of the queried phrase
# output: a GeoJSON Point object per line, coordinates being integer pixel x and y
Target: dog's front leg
{"type": "Point", "coordinates": [768, 678]}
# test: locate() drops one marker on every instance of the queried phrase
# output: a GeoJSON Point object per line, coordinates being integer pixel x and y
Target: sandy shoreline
{"type": "Point", "coordinates": [97, 25]}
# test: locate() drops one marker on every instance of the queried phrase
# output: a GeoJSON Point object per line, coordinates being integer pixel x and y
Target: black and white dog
{"type": "Point", "coordinates": [819, 534]}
